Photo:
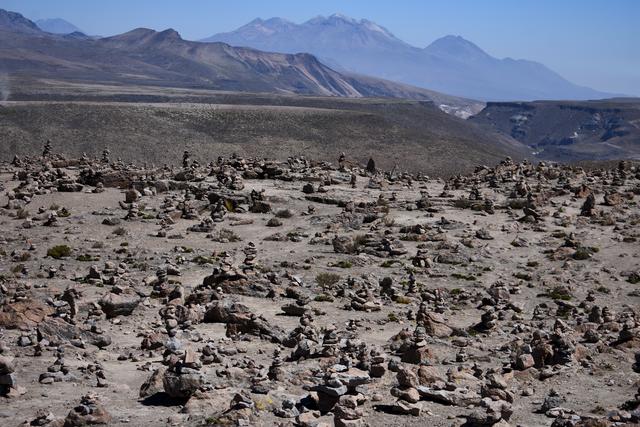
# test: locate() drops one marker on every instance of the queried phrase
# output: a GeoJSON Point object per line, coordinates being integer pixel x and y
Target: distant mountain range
{"type": "Point", "coordinates": [148, 57]}
{"type": "Point", "coordinates": [35, 65]}
{"type": "Point", "coordinates": [450, 64]}
{"type": "Point", "coordinates": [57, 26]}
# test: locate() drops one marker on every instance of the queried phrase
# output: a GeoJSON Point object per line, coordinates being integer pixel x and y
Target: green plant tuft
{"type": "Point", "coordinates": [60, 251]}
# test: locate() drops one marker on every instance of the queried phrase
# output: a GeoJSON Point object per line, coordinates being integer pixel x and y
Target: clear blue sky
{"type": "Point", "coordinates": [591, 42]}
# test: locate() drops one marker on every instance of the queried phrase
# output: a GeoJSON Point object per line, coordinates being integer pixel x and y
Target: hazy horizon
{"type": "Point", "coordinates": [591, 43]}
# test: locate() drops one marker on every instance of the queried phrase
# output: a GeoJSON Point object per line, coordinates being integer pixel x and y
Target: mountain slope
{"type": "Point", "coordinates": [11, 21]}
{"type": "Point", "coordinates": [231, 68]}
{"type": "Point", "coordinates": [145, 56]}
{"type": "Point", "coordinates": [451, 64]}
{"type": "Point", "coordinates": [569, 130]}
{"type": "Point", "coordinates": [57, 26]}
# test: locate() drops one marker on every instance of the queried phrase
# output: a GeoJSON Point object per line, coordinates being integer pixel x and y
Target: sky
{"type": "Point", "coordinates": [594, 43]}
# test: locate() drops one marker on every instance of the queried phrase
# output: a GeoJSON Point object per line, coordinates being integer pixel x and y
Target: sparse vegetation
{"type": "Point", "coordinates": [389, 263]}
{"type": "Point", "coordinates": [392, 317]}
{"type": "Point", "coordinates": [120, 231]}
{"type": "Point", "coordinates": [323, 298]}
{"type": "Point", "coordinates": [87, 258]}
{"type": "Point", "coordinates": [343, 264]}
{"type": "Point", "coordinates": [583, 253]}
{"type": "Point", "coordinates": [203, 260]}
{"type": "Point", "coordinates": [23, 213]}
{"type": "Point", "coordinates": [284, 213]}
{"type": "Point", "coordinates": [59, 251]}
{"type": "Point", "coordinates": [560, 293]}
{"type": "Point", "coordinates": [327, 280]}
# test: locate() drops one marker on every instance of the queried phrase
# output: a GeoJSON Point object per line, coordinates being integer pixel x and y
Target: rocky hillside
{"type": "Point", "coordinates": [11, 21]}
{"type": "Point", "coordinates": [414, 136]}
{"type": "Point", "coordinates": [567, 131]}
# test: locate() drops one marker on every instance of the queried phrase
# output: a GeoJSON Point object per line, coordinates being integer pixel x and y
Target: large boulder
{"type": "Point", "coordinates": [23, 314]}
{"type": "Point", "coordinates": [59, 332]}
{"type": "Point", "coordinates": [434, 324]}
{"type": "Point", "coordinates": [115, 305]}
{"type": "Point", "coordinates": [243, 320]}
{"type": "Point", "coordinates": [6, 365]}
{"type": "Point", "coordinates": [7, 376]}
{"type": "Point", "coordinates": [154, 384]}
{"type": "Point", "coordinates": [182, 385]}
{"type": "Point", "coordinates": [457, 397]}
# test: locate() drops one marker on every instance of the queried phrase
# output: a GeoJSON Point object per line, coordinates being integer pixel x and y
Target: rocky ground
{"type": "Point", "coordinates": [252, 292]}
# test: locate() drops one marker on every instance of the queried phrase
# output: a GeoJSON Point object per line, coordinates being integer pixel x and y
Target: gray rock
{"type": "Point", "coordinates": [115, 305]}
{"type": "Point", "coordinates": [182, 386]}
{"type": "Point", "coordinates": [154, 384]}
{"type": "Point", "coordinates": [457, 397]}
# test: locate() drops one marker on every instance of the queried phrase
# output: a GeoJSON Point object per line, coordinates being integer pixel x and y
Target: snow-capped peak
{"type": "Point", "coordinates": [341, 17]}
{"type": "Point", "coordinates": [372, 26]}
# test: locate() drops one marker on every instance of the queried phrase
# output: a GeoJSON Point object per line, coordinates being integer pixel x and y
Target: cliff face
{"type": "Point", "coordinates": [571, 130]}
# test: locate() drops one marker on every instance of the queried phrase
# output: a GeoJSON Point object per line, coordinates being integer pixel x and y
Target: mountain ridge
{"type": "Point", "coordinates": [450, 64]}
{"type": "Point", "coordinates": [57, 26]}
{"type": "Point", "coordinates": [146, 56]}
